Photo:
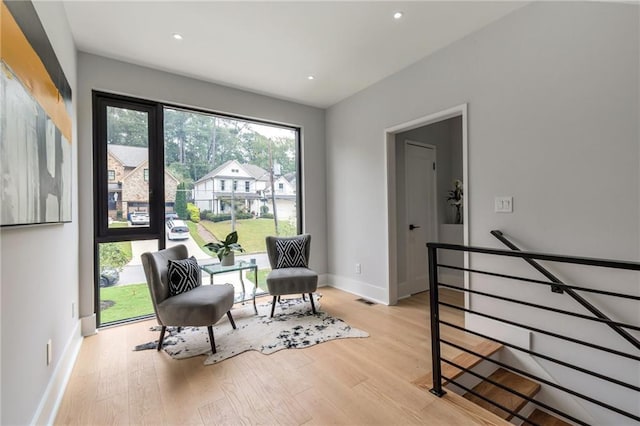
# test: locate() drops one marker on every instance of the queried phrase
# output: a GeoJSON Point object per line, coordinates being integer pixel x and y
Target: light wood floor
{"type": "Point", "coordinates": [348, 381]}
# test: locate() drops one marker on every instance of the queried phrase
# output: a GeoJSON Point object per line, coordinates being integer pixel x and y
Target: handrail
{"type": "Point", "coordinates": [554, 288]}
{"type": "Point", "coordinates": [563, 288]}
{"type": "Point", "coordinates": [437, 322]}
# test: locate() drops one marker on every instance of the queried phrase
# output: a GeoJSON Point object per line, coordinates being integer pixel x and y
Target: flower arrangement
{"type": "Point", "coordinates": [455, 199]}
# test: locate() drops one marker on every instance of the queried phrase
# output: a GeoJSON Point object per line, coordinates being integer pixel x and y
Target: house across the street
{"type": "Point", "coordinates": [246, 186]}
{"type": "Point", "coordinates": [128, 180]}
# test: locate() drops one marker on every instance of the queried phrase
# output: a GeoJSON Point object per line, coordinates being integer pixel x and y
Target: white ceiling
{"type": "Point", "coordinates": [271, 47]}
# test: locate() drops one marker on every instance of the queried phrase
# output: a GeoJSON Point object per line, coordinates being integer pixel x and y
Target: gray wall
{"type": "Point", "coordinates": [39, 275]}
{"type": "Point", "coordinates": [552, 93]}
{"type": "Point", "coordinates": [109, 75]}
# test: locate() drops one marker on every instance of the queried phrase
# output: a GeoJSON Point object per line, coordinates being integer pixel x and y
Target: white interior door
{"type": "Point", "coordinates": [421, 204]}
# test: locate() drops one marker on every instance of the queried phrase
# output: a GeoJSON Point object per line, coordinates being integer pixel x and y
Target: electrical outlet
{"type": "Point", "coordinates": [358, 268]}
{"type": "Point", "coordinates": [49, 352]}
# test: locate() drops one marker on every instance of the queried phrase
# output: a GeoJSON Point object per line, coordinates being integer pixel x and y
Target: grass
{"type": "Point", "coordinates": [130, 301]}
{"type": "Point", "coordinates": [193, 230]}
{"type": "Point", "coordinates": [251, 232]}
{"type": "Point", "coordinates": [262, 277]}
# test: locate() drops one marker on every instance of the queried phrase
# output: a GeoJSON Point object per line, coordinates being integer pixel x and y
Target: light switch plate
{"type": "Point", "coordinates": [503, 204]}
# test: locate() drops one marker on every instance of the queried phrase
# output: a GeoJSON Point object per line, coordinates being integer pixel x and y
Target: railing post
{"type": "Point", "coordinates": [435, 322]}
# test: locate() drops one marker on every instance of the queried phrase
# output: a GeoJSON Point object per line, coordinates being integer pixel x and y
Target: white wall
{"type": "Point", "coordinates": [99, 73]}
{"type": "Point", "coordinates": [552, 91]}
{"type": "Point", "coordinates": [40, 282]}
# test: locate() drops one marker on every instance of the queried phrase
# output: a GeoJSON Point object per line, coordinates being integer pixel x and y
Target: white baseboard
{"type": "Point", "coordinates": [323, 280]}
{"type": "Point", "coordinates": [89, 325]}
{"type": "Point", "coordinates": [50, 402]}
{"type": "Point", "coordinates": [359, 288]}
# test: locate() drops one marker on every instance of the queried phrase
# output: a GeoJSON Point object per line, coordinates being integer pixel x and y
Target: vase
{"type": "Point", "coordinates": [228, 260]}
{"type": "Point", "coordinates": [458, 215]}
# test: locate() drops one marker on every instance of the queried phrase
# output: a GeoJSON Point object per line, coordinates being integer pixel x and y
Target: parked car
{"type": "Point", "coordinates": [139, 218]}
{"type": "Point", "coordinates": [109, 277]}
{"type": "Point", "coordinates": [170, 216]}
{"type": "Point", "coordinates": [177, 230]}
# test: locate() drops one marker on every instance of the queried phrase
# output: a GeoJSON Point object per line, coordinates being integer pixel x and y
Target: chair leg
{"type": "Point", "coordinates": [161, 339]}
{"type": "Point", "coordinates": [304, 297]}
{"type": "Point", "coordinates": [313, 307]}
{"type": "Point", "coordinates": [233, 323]}
{"type": "Point", "coordinates": [179, 329]}
{"type": "Point", "coordinates": [211, 339]}
{"type": "Point", "coordinates": [273, 305]}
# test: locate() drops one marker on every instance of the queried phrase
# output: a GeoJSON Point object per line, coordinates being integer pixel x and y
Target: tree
{"type": "Point", "coordinates": [127, 127]}
{"type": "Point", "coordinates": [181, 202]}
{"type": "Point", "coordinates": [112, 256]}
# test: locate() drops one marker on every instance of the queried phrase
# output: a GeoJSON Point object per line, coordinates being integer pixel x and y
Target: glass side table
{"type": "Point", "coordinates": [244, 296]}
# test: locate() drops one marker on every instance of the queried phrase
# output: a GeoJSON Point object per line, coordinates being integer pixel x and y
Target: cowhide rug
{"type": "Point", "coordinates": [293, 326]}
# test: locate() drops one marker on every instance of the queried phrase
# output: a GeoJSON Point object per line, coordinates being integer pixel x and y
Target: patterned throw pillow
{"type": "Point", "coordinates": [291, 253]}
{"type": "Point", "coordinates": [184, 275]}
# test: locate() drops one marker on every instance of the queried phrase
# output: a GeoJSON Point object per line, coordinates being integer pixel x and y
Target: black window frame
{"type": "Point", "coordinates": [156, 229]}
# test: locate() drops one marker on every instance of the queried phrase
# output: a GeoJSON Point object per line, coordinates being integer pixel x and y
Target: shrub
{"type": "Point", "coordinates": [112, 256]}
{"type": "Point", "coordinates": [264, 209]}
{"type": "Point", "coordinates": [194, 213]}
{"type": "Point", "coordinates": [267, 216]}
{"type": "Point", "coordinates": [227, 216]}
{"type": "Point", "coordinates": [180, 205]}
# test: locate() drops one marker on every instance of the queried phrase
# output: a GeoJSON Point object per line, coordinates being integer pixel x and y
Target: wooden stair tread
{"type": "Point", "coordinates": [501, 396]}
{"type": "Point", "coordinates": [465, 359]}
{"type": "Point", "coordinates": [477, 414]}
{"type": "Point", "coordinates": [543, 418]}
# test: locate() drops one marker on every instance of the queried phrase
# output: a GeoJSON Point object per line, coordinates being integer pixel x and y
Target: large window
{"type": "Point", "coordinates": [157, 163]}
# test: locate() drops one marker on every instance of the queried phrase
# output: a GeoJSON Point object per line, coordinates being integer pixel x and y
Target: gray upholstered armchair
{"type": "Point", "coordinates": [290, 273]}
{"type": "Point", "coordinates": [198, 307]}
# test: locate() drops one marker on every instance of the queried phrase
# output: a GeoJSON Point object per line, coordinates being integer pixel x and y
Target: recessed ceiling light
{"type": "Point", "coordinates": [177, 36]}
{"type": "Point", "coordinates": [311, 77]}
{"type": "Point", "coordinates": [397, 15]}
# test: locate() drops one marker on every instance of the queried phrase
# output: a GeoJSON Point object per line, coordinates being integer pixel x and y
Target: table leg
{"type": "Point", "coordinates": [255, 288]}
{"type": "Point", "coordinates": [211, 279]}
{"type": "Point", "coordinates": [242, 283]}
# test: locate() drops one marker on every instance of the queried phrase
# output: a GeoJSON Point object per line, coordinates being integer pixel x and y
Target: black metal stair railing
{"type": "Point", "coordinates": [530, 257]}
{"type": "Point", "coordinates": [560, 287]}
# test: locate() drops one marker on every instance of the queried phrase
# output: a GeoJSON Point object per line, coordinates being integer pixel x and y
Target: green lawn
{"type": "Point", "coordinates": [193, 230]}
{"type": "Point", "coordinates": [130, 301]}
{"type": "Point", "coordinates": [262, 277]}
{"type": "Point", "coordinates": [251, 232]}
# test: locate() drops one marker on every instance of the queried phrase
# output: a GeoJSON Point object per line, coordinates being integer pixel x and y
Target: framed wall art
{"type": "Point", "coordinates": [35, 123]}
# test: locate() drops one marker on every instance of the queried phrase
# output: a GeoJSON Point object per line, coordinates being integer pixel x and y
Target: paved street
{"type": "Point", "coordinates": [133, 272]}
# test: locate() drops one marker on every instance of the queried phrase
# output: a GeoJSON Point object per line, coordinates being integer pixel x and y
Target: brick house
{"type": "Point", "coordinates": [128, 180]}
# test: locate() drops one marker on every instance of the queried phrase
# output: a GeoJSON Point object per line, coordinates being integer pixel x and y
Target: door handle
{"type": "Point", "coordinates": [412, 227]}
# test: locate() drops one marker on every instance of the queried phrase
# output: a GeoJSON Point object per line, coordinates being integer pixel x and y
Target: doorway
{"type": "Point", "coordinates": [446, 133]}
{"type": "Point", "coordinates": [420, 200]}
